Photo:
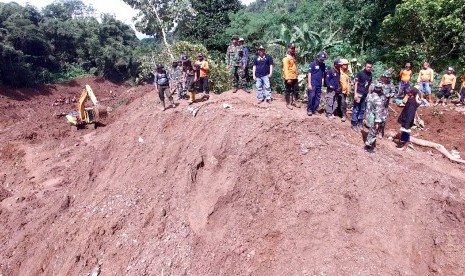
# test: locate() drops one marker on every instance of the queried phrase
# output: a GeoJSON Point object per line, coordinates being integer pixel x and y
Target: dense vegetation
{"type": "Point", "coordinates": [65, 40]}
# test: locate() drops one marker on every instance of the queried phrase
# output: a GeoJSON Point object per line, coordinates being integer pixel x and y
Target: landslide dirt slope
{"type": "Point", "coordinates": [243, 191]}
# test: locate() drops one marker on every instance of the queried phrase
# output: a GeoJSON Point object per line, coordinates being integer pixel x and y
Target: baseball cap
{"type": "Point", "coordinates": [337, 61]}
{"type": "Point", "coordinates": [450, 69]}
{"type": "Point", "coordinates": [261, 47]}
{"type": "Point", "coordinates": [344, 61]}
{"type": "Point", "coordinates": [200, 55]}
{"type": "Point", "coordinates": [184, 58]}
{"type": "Point", "coordinates": [234, 37]}
{"type": "Point", "coordinates": [322, 55]}
{"type": "Point", "coordinates": [241, 39]}
{"type": "Point", "coordinates": [291, 45]}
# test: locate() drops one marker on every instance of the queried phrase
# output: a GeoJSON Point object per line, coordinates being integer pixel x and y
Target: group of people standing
{"type": "Point", "coordinates": [371, 99]}
{"type": "Point", "coordinates": [185, 78]}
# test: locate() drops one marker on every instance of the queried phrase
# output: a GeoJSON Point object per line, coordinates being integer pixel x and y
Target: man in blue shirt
{"type": "Point", "coordinates": [333, 82]}
{"type": "Point", "coordinates": [362, 83]}
{"type": "Point", "coordinates": [316, 75]}
{"type": "Point", "coordinates": [262, 72]}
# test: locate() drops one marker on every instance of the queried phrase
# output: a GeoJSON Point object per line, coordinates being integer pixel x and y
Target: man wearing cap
{"type": "Point", "coordinates": [235, 61]}
{"type": "Point", "coordinates": [447, 86]}
{"type": "Point", "coordinates": [345, 90]}
{"type": "Point", "coordinates": [290, 77]}
{"type": "Point", "coordinates": [333, 81]}
{"type": "Point", "coordinates": [202, 69]}
{"type": "Point", "coordinates": [405, 76]}
{"type": "Point", "coordinates": [246, 64]}
{"type": "Point", "coordinates": [163, 88]}
{"type": "Point", "coordinates": [316, 76]}
{"type": "Point", "coordinates": [363, 81]}
{"type": "Point", "coordinates": [189, 77]}
{"type": "Point", "coordinates": [262, 71]}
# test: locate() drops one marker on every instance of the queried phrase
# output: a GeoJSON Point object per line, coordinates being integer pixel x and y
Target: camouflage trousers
{"type": "Point", "coordinates": [237, 76]}
{"type": "Point", "coordinates": [372, 134]}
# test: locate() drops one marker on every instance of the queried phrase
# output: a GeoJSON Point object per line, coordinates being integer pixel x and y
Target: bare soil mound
{"type": "Point", "coordinates": [246, 190]}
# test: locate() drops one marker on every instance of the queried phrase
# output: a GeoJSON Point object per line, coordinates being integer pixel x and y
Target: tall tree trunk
{"type": "Point", "coordinates": [163, 31]}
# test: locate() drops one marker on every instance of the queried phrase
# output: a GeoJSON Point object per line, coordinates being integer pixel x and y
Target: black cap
{"type": "Point", "coordinates": [184, 58]}
{"type": "Point", "coordinates": [160, 66]}
{"type": "Point", "coordinates": [234, 37]}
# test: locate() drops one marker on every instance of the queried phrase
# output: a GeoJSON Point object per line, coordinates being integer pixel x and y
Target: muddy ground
{"type": "Point", "coordinates": [247, 190]}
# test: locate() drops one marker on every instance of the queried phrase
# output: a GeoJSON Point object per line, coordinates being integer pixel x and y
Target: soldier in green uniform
{"type": "Point", "coordinates": [235, 60]}
{"type": "Point", "coordinates": [189, 77]}
{"type": "Point", "coordinates": [176, 80]}
{"type": "Point", "coordinates": [374, 114]}
{"type": "Point", "coordinates": [389, 91]}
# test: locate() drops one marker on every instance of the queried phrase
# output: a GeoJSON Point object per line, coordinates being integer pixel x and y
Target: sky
{"type": "Point", "coordinates": [120, 9]}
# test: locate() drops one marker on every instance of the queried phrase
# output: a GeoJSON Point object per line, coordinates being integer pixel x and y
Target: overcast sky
{"type": "Point", "coordinates": [120, 9]}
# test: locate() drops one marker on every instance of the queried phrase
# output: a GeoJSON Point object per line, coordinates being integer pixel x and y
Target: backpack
{"type": "Point", "coordinates": [161, 78]}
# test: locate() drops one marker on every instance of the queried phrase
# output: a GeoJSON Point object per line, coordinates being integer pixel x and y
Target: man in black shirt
{"type": "Point", "coordinates": [362, 83]}
{"type": "Point", "coordinates": [262, 72]}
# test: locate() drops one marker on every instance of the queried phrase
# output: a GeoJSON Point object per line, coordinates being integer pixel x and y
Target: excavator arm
{"type": "Point", "coordinates": [86, 94]}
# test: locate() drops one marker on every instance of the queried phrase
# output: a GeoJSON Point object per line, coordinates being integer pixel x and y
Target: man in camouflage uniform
{"type": "Point", "coordinates": [389, 91]}
{"type": "Point", "coordinates": [189, 77]}
{"type": "Point", "coordinates": [235, 60]}
{"type": "Point", "coordinates": [374, 113]}
{"type": "Point", "coordinates": [176, 80]}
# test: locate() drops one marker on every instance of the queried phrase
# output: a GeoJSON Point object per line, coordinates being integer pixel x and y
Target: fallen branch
{"type": "Point", "coordinates": [438, 147]}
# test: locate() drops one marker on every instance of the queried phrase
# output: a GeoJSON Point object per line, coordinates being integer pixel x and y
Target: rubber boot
{"type": "Point", "coordinates": [191, 98]}
{"type": "Point", "coordinates": [288, 102]}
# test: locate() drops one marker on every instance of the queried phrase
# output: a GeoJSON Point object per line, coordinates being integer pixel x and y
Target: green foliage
{"type": "Point", "coordinates": [422, 30]}
{"type": "Point", "coordinates": [61, 42]}
{"type": "Point", "coordinates": [202, 25]}
{"type": "Point", "coordinates": [218, 76]}
{"type": "Point", "coordinates": [308, 43]}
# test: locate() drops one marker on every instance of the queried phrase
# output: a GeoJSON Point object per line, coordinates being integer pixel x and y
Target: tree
{"type": "Point", "coordinates": [160, 16]}
{"type": "Point", "coordinates": [426, 30]}
{"type": "Point", "coordinates": [203, 26]}
{"type": "Point", "coordinates": [309, 42]}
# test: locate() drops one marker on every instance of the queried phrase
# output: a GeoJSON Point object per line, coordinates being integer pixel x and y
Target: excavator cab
{"type": "Point", "coordinates": [86, 115]}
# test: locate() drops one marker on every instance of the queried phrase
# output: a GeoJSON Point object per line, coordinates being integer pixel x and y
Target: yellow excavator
{"type": "Point", "coordinates": [87, 115]}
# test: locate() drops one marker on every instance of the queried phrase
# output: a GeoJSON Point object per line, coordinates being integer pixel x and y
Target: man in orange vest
{"type": "Point", "coordinates": [201, 66]}
{"type": "Point", "coordinates": [291, 82]}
